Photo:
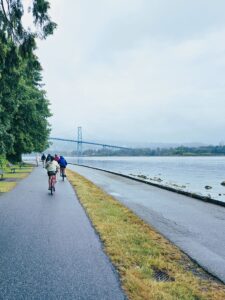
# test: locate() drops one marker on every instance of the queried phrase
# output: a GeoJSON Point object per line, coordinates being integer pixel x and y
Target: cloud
{"type": "Point", "coordinates": [125, 72]}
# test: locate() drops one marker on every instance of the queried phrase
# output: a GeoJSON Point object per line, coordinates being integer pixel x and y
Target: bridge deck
{"type": "Point", "coordinates": [89, 143]}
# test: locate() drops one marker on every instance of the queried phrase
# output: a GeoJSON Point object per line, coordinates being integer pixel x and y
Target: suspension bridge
{"type": "Point", "coordinates": [80, 142]}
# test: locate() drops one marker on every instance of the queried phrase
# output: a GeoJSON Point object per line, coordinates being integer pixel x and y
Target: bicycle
{"type": "Point", "coordinates": [62, 172]}
{"type": "Point", "coordinates": [43, 163]}
{"type": "Point", "coordinates": [52, 183]}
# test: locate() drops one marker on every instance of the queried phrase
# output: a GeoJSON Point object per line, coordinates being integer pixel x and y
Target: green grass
{"type": "Point", "coordinates": [6, 186]}
{"type": "Point", "coordinates": [18, 170]}
{"type": "Point", "coordinates": [20, 173]}
{"type": "Point", "coordinates": [16, 175]}
{"type": "Point", "coordinates": [137, 250]}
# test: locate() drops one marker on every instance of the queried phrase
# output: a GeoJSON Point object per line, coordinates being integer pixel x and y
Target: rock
{"type": "Point", "coordinates": [223, 183]}
{"type": "Point", "coordinates": [220, 195]}
{"type": "Point", "coordinates": [143, 176]}
{"type": "Point", "coordinates": [208, 187]}
{"type": "Point", "coordinates": [157, 179]}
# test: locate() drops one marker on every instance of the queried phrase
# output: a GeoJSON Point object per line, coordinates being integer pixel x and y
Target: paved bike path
{"type": "Point", "coordinates": [48, 248]}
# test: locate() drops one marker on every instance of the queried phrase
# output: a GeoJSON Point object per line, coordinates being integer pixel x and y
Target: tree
{"type": "Point", "coordinates": [24, 108]}
{"type": "Point", "coordinates": [8, 82]}
{"type": "Point", "coordinates": [11, 14]}
{"type": "Point", "coordinates": [29, 123]}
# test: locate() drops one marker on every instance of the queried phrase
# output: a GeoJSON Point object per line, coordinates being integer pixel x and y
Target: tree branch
{"type": "Point", "coordinates": [4, 12]}
{"type": "Point", "coordinates": [8, 20]}
{"type": "Point", "coordinates": [8, 6]}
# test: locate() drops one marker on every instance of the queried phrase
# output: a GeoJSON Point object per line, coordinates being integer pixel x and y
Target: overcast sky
{"type": "Point", "coordinates": [137, 71]}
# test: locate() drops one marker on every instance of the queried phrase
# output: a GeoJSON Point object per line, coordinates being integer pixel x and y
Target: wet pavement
{"type": "Point", "coordinates": [48, 248]}
{"type": "Point", "coordinates": [196, 227]}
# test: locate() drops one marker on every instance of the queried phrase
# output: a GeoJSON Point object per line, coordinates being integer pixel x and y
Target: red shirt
{"type": "Point", "coordinates": [56, 158]}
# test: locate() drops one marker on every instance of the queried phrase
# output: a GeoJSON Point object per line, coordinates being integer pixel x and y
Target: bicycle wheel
{"type": "Point", "coordinates": [63, 173]}
{"type": "Point", "coordinates": [51, 185]}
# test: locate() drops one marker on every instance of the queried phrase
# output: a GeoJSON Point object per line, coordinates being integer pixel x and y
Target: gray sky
{"type": "Point", "coordinates": [137, 70]}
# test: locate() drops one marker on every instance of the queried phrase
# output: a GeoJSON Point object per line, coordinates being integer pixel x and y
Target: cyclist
{"type": "Point", "coordinates": [52, 167]}
{"type": "Point", "coordinates": [43, 158]}
{"type": "Point", "coordinates": [63, 163]}
{"type": "Point", "coordinates": [57, 158]}
{"type": "Point", "coordinates": [48, 158]}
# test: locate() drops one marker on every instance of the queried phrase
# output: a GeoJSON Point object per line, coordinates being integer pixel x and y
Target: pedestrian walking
{"type": "Point", "coordinates": [37, 159]}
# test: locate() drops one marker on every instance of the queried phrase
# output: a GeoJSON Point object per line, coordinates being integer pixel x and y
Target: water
{"type": "Point", "coordinates": [186, 173]}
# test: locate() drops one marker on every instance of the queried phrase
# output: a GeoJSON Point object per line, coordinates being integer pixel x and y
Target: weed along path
{"type": "Point", "coordinates": [48, 248]}
{"type": "Point", "coordinates": [196, 227]}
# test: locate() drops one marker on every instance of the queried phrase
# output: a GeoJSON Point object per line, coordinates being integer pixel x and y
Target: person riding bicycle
{"type": "Point", "coordinates": [63, 163]}
{"type": "Point", "coordinates": [43, 158]}
{"type": "Point", "coordinates": [48, 158]}
{"type": "Point", "coordinates": [52, 168]}
{"type": "Point", "coordinates": [57, 158]}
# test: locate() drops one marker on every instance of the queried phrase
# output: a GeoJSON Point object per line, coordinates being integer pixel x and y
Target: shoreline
{"type": "Point", "coordinates": [171, 189]}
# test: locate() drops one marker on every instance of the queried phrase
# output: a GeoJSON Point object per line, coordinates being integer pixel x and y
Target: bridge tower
{"type": "Point", "coordinates": [79, 139]}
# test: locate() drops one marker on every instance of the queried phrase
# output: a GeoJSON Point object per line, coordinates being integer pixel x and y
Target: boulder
{"type": "Point", "coordinates": [208, 187]}
{"type": "Point", "coordinates": [223, 183]}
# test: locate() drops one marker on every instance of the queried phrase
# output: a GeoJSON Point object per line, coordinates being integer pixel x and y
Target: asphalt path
{"type": "Point", "coordinates": [196, 227]}
{"type": "Point", "coordinates": [48, 248]}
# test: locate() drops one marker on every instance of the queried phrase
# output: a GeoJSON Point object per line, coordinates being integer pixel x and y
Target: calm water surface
{"type": "Point", "coordinates": [186, 173]}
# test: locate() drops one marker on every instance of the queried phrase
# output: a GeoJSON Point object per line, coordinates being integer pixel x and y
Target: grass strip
{"type": "Point", "coordinates": [20, 173]}
{"type": "Point", "coordinates": [6, 186]}
{"type": "Point", "coordinates": [18, 170]}
{"type": "Point", "coordinates": [16, 175]}
{"type": "Point", "coordinates": [137, 251]}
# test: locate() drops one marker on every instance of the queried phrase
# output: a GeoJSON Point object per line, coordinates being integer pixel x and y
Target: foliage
{"type": "Point", "coordinates": [11, 16]}
{"type": "Point", "coordinates": [24, 108]}
{"type": "Point", "coordinates": [178, 151]}
{"type": "Point", "coordinates": [3, 162]}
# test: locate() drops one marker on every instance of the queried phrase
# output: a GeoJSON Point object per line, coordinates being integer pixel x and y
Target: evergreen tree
{"type": "Point", "coordinates": [24, 108]}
